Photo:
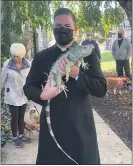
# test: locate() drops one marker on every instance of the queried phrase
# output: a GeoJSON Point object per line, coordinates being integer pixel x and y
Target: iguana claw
{"type": "Point", "coordinates": [63, 88]}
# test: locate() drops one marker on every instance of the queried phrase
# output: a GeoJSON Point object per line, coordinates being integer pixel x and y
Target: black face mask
{"type": "Point", "coordinates": [63, 36]}
{"type": "Point", "coordinates": [120, 35]}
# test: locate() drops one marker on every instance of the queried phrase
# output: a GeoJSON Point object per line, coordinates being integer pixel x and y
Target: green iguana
{"type": "Point", "coordinates": [75, 54]}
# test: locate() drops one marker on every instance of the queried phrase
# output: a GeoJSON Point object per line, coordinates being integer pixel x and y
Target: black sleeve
{"type": "Point", "coordinates": [83, 43]}
{"type": "Point", "coordinates": [92, 80]}
{"type": "Point", "coordinates": [33, 86]}
{"type": "Point", "coordinates": [97, 50]}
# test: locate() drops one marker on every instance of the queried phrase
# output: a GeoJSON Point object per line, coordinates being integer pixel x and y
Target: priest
{"type": "Point", "coordinates": [72, 117]}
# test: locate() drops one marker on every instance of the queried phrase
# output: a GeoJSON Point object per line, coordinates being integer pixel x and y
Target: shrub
{"type": "Point", "coordinates": [5, 121]}
{"type": "Point", "coordinates": [3, 59]}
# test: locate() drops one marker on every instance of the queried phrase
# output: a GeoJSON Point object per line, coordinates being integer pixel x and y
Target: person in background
{"type": "Point", "coordinates": [72, 117]}
{"type": "Point", "coordinates": [94, 43]}
{"type": "Point", "coordinates": [14, 73]}
{"type": "Point", "coordinates": [121, 52]}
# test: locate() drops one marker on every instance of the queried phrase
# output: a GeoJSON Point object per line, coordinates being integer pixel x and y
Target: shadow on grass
{"type": "Point", "coordinates": [110, 73]}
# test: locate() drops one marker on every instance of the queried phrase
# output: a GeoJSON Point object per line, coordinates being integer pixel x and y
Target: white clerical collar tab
{"type": "Point", "coordinates": [62, 48]}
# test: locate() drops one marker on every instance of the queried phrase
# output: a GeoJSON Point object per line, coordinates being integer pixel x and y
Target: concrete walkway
{"type": "Point", "coordinates": [112, 149]}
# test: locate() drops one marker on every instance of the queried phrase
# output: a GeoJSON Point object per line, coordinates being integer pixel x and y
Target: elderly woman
{"type": "Point", "coordinates": [14, 73]}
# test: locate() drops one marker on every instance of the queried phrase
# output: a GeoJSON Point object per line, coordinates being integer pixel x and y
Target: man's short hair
{"type": "Point", "coordinates": [64, 11]}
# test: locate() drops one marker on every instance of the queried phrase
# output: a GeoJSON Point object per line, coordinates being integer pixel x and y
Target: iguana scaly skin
{"type": "Point", "coordinates": [75, 56]}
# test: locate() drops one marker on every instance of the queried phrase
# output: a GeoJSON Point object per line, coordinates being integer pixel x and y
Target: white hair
{"type": "Point", "coordinates": [17, 49]}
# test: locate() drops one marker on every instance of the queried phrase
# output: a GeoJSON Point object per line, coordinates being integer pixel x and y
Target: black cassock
{"type": "Point", "coordinates": [71, 117]}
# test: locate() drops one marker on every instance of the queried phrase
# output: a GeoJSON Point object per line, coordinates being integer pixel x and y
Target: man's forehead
{"type": "Point", "coordinates": [64, 19]}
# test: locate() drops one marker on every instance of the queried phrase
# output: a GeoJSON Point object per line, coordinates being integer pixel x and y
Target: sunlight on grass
{"type": "Point", "coordinates": [108, 66]}
{"type": "Point", "coordinates": [106, 57]}
{"type": "Point", "coordinates": [107, 62]}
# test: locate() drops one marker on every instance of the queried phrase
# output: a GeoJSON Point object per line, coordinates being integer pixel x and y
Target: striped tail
{"type": "Point", "coordinates": [47, 110]}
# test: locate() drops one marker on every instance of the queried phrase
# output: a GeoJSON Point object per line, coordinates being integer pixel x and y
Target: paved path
{"type": "Point", "coordinates": [112, 149]}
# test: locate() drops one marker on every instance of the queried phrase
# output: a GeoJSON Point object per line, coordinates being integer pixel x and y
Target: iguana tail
{"type": "Point", "coordinates": [47, 110]}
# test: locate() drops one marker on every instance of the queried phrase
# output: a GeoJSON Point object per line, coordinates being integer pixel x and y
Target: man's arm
{"type": "Point", "coordinates": [113, 51]}
{"type": "Point", "coordinates": [33, 86]}
{"type": "Point", "coordinates": [129, 49]}
{"type": "Point", "coordinates": [92, 80]}
{"type": "Point", "coordinates": [84, 42]}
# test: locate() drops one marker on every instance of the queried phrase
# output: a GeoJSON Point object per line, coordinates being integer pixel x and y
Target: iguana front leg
{"type": "Point", "coordinates": [60, 84]}
{"type": "Point", "coordinates": [67, 69]}
{"type": "Point", "coordinates": [84, 65]}
{"type": "Point", "coordinates": [79, 62]}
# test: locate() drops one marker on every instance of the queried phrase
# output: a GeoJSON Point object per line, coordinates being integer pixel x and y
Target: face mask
{"type": "Point", "coordinates": [89, 38]}
{"type": "Point", "coordinates": [63, 36]}
{"type": "Point", "coordinates": [120, 35]}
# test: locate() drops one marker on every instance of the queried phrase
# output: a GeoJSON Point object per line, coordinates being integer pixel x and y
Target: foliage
{"type": "Point", "coordinates": [88, 14]}
{"type": "Point", "coordinates": [6, 24]}
{"type": "Point", "coordinates": [3, 59]}
{"type": "Point", "coordinates": [5, 121]}
{"type": "Point", "coordinates": [10, 25]}
{"type": "Point", "coordinates": [127, 7]}
{"type": "Point", "coordinates": [36, 13]}
{"type": "Point", "coordinates": [114, 16]}
{"type": "Point", "coordinates": [91, 14]}
{"type": "Point", "coordinates": [91, 18]}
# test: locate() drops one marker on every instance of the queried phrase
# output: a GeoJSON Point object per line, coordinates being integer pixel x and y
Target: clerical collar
{"type": "Point", "coordinates": [65, 48]}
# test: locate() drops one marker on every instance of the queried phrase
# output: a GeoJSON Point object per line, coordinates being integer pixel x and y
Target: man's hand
{"type": "Point", "coordinates": [49, 92]}
{"type": "Point", "coordinates": [74, 71]}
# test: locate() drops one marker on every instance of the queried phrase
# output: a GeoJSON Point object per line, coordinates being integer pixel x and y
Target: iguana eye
{"type": "Point", "coordinates": [33, 111]}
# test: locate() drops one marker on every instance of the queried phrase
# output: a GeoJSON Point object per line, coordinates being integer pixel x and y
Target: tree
{"type": "Point", "coordinates": [91, 18]}
{"type": "Point", "coordinates": [88, 14]}
{"type": "Point", "coordinates": [127, 6]}
{"type": "Point", "coordinates": [11, 25]}
{"type": "Point", "coordinates": [6, 27]}
{"type": "Point", "coordinates": [112, 17]}
{"type": "Point", "coordinates": [37, 13]}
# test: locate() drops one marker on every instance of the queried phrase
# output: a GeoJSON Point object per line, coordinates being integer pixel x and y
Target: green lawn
{"type": "Point", "coordinates": [107, 62]}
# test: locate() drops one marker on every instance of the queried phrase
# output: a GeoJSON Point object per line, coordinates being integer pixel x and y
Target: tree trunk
{"type": "Point", "coordinates": [6, 27]}
{"type": "Point", "coordinates": [34, 42]}
{"type": "Point", "coordinates": [127, 6]}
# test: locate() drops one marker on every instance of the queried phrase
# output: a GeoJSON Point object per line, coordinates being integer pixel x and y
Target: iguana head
{"type": "Point", "coordinates": [80, 52]}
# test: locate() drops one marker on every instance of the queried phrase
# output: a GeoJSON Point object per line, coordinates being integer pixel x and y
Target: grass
{"type": "Point", "coordinates": [108, 63]}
